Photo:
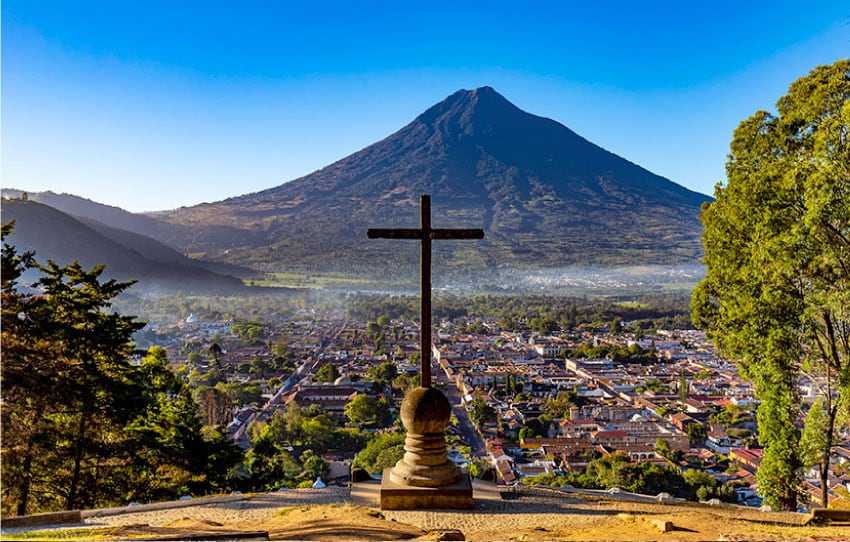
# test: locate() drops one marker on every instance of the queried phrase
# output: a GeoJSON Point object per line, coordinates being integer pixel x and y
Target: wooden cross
{"type": "Point", "coordinates": [426, 234]}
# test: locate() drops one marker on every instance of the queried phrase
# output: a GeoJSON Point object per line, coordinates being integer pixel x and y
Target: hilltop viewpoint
{"type": "Point", "coordinates": [340, 513]}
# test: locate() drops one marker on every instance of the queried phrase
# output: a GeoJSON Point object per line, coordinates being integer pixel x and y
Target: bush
{"type": "Point", "coordinates": [380, 452]}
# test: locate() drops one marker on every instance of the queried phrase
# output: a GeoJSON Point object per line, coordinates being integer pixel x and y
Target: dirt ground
{"type": "Point", "coordinates": [533, 515]}
{"type": "Point", "coordinates": [608, 521]}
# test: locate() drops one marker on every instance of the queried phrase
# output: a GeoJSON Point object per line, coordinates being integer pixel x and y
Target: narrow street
{"type": "Point", "coordinates": [468, 430]}
{"type": "Point", "coordinates": [301, 372]}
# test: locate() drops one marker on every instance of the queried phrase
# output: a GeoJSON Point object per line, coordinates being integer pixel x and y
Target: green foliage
{"type": "Point", "coordinates": [383, 374]}
{"type": "Point", "coordinates": [65, 359]}
{"type": "Point", "coordinates": [214, 405]}
{"type": "Point", "coordinates": [662, 448]}
{"type": "Point", "coordinates": [241, 393]}
{"type": "Point", "coordinates": [364, 410]}
{"type": "Point", "coordinates": [649, 311]}
{"type": "Point", "coordinates": [538, 427]}
{"type": "Point", "coordinates": [349, 440]}
{"type": "Point", "coordinates": [14, 264]}
{"type": "Point", "coordinates": [311, 428]}
{"type": "Point", "coordinates": [697, 434]}
{"type": "Point", "coordinates": [280, 349]}
{"type": "Point", "coordinates": [813, 443]}
{"type": "Point", "coordinates": [544, 325]}
{"type": "Point", "coordinates": [777, 281]}
{"type": "Point", "coordinates": [480, 412]}
{"type": "Point", "coordinates": [371, 307]}
{"type": "Point", "coordinates": [270, 466]}
{"type": "Point", "coordinates": [732, 415]}
{"type": "Point", "coordinates": [318, 432]}
{"type": "Point", "coordinates": [739, 433]}
{"type": "Point", "coordinates": [652, 384]}
{"type": "Point", "coordinates": [194, 359]}
{"type": "Point", "coordinates": [703, 374]}
{"type": "Point", "coordinates": [617, 470]}
{"type": "Point", "coordinates": [684, 387]}
{"type": "Point", "coordinates": [559, 405]}
{"type": "Point", "coordinates": [381, 452]}
{"type": "Point", "coordinates": [407, 381]}
{"type": "Point", "coordinates": [477, 327]}
{"type": "Point", "coordinates": [525, 433]}
{"type": "Point", "coordinates": [82, 426]}
{"type": "Point", "coordinates": [167, 437]}
{"type": "Point", "coordinates": [388, 458]}
{"type": "Point", "coordinates": [223, 470]}
{"type": "Point", "coordinates": [316, 466]}
{"type": "Point", "coordinates": [477, 466]}
{"type": "Point", "coordinates": [250, 333]}
{"type": "Point", "coordinates": [819, 436]}
{"type": "Point", "coordinates": [327, 373]}
{"type": "Point", "coordinates": [648, 478]}
{"type": "Point", "coordinates": [704, 486]}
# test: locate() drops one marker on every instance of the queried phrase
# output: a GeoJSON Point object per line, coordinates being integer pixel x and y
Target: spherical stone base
{"type": "Point", "coordinates": [425, 414]}
{"type": "Point", "coordinates": [425, 411]}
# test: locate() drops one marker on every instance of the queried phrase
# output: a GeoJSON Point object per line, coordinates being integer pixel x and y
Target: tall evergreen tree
{"type": "Point", "coordinates": [101, 392]}
{"type": "Point", "coordinates": [777, 240]}
{"type": "Point", "coordinates": [82, 425]}
{"type": "Point", "coordinates": [27, 398]}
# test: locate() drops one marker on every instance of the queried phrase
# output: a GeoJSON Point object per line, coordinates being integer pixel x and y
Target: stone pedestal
{"type": "Point", "coordinates": [424, 477]}
{"type": "Point", "coordinates": [456, 496]}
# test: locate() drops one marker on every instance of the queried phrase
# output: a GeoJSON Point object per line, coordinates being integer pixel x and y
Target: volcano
{"type": "Point", "coordinates": [544, 195]}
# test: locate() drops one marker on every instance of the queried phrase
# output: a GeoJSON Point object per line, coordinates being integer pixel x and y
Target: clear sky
{"type": "Point", "coordinates": [151, 105]}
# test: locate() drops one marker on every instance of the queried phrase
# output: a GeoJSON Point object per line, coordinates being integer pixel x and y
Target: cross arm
{"type": "Point", "coordinates": [378, 233]}
{"type": "Point", "coordinates": [457, 234]}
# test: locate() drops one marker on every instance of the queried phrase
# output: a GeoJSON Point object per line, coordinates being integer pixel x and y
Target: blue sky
{"type": "Point", "coordinates": [151, 105]}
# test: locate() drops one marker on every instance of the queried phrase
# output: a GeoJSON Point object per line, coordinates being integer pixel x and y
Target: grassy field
{"type": "Point", "coordinates": [304, 280]}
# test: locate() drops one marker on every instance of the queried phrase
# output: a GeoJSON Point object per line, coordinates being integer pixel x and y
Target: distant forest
{"type": "Point", "coordinates": [541, 312]}
{"type": "Point", "coordinates": [538, 312]}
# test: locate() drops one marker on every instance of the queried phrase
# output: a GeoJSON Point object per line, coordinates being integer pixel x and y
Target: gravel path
{"type": "Point", "coordinates": [534, 514]}
{"type": "Point", "coordinates": [244, 509]}
{"type": "Point", "coordinates": [491, 513]}
{"type": "Point", "coordinates": [250, 509]}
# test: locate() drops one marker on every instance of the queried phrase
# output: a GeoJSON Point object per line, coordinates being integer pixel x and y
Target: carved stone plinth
{"type": "Point", "coordinates": [424, 463]}
{"type": "Point", "coordinates": [456, 496]}
{"type": "Point", "coordinates": [424, 477]}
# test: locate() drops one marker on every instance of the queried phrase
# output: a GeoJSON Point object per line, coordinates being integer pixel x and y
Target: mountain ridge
{"type": "Point", "coordinates": [545, 196]}
{"type": "Point", "coordinates": [57, 236]}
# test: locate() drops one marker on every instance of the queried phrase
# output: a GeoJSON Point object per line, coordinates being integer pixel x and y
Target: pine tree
{"type": "Point", "coordinates": [82, 426]}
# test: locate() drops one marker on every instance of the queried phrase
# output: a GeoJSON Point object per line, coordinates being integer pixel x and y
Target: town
{"type": "Point", "coordinates": [532, 404]}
